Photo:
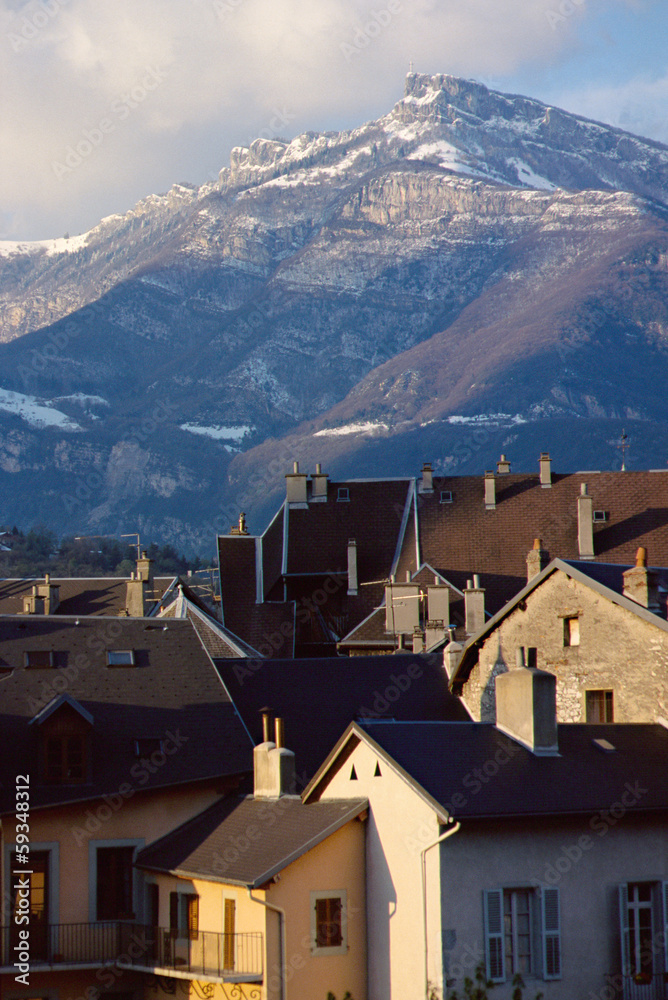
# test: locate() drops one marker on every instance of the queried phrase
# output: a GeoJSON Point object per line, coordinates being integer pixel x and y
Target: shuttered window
{"type": "Point", "coordinates": [522, 933]}
{"type": "Point", "coordinates": [328, 922]}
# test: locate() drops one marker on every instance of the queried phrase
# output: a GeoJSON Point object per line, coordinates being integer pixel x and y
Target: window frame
{"type": "Point", "coordinates": [137, 893]}
{"type": "Point", "coordinates": [317, 895]}
{"type": "Point", "coordinates": [183, 915]}
{"type": "Point", "coordinates": [343, 494]}
{"type": "Point", "coordinates": [657, 907]}
{"type": "Point", "coordinates": [38, 654]}
{"type": "Point", "coordinates": [544, 932]}
{"type": "Point", "coordinates": [571, 634]}
{"type": "Point", "coordinates": [606, 702]}
{"type": "Point", "coordinates": [121, 652]}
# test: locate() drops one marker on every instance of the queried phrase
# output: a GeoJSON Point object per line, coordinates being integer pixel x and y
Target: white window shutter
{"type": "Point", "coordinates": [624, 928]}
{"type": "Point", "coordinates": [494, 946]}
{"type": "Point", "coordinates": [551, 933]}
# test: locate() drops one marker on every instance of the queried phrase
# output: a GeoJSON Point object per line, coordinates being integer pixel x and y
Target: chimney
{"type": "Point", "coordinates": [49, 593]}
{"type": "Point", "coordinates": [537, 559]}
{"type": "Point", "coordinates": [240, 528]}
{"type": "Point", "coordinates": [418, 640]}
{"type": "Point", "coordinates": [526, 707]}
{"type": "Point", "coordinates": [273, 765]}
{"type": "Point", "coordinates": [319, 485]}
{"type": "Point", "coordinates": [585, 524]}
{"type": "Point", "coordinates": [438, 602]}
{"type": "Point", "coordinates": [402, 607]}
{"type": "Point", "coordinates": [352, 567]}
{"type": "Point", "coordinates": [145, 568]}
{"type": "Point", "coordinates": [135, 597]}
{"type": "Point", "coordinates": [34, 603]}
{"type": "Point", "coordinates": [296, 487]}
{"type": "Point", "coordinates": [474, 606]}
{"type": "Point", "coordinates": [427, 485]}
{"type": "Point", "coordinates": [503, 466]}
{"type": "Point", "coordinates": [490, 491]}
{"type": "Point", "coordinates": [545, 467]}
{"type": "Point", "coordinates": [452, 655]}
{"type": "Point", "coordinates": [642, 584]}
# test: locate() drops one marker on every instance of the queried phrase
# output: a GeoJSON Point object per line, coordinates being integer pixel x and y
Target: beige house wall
{"type": "Point", "coordinates": [400, 826]}
{"type": "Point", "coordinates": [618, 651]}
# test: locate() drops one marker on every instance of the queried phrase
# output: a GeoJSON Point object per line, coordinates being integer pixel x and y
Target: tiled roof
{"type": "Point", "coordinates": [453, 759]}
{"type": "Point", "coordinates": [78, 595]}
{"type": "Point", "coordinates": [318, 698]}
{"type": "Point", "coordinates": [275, 833]}
{"type": "Point", "coordinates": [173, 687]}
{"type": "Point", "coordinates": [216, 639]}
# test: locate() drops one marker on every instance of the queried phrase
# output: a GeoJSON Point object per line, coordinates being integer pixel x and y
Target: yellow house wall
{"type": "Point", "coordinates": [400, 826]}
{"type": "Point", "coordinates": [618, 651]}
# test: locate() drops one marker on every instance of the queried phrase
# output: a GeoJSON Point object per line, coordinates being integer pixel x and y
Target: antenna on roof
{"type": "Point", "coordinates": [624, 446]}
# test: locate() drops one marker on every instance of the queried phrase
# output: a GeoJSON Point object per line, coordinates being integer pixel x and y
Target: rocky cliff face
{"type": "Point", "coordinates": [470, 260]}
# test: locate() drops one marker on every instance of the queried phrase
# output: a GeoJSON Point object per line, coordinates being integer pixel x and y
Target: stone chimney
{"type": "Point", "coordinates": [273, 765]}
{"type": "Point", "coordinates": [135, 596]}
{"type": "Point", "coordinates": [145, 568]}
{"type": "Point", "coordinates": [319, 485]}
{"type": "Point", "coordinates": [503, 466]}
{"type": "Point", "coordinates": [585, 524]}
{"type": "Point", "coordinates": [537, 559]}
{"type": "Point", "coordinates": [427, 484]}
{"type": "Point", "coordinates": [545, 467]}
{"type": "Point", "coordinates": [452, 655]}
{"type": "Point", "coordinates": [402, 607]}
{"type": "Point", "coordinates": [296, 487]}
{"type": "Point", "coordinates": [490, 491]}
{"type": "Point", "coordinates": [352, 567]}
{"type": "Point", "coordinates": [474, 606]}
{"type": "Point", "coordinates": [240, 528]}
{"type": "Point", "coordinates": [438, 602]}
{"type": "Point", "coordinates": [526, 707]}
{"type": "Point", "coordinates": [44, 598]}
{"type": "Point", "coordinates": [641, 584]}
{"type": "Point", "coordinates": [33, 603]}
{"type": "Point", "coordinates": [418, 640]}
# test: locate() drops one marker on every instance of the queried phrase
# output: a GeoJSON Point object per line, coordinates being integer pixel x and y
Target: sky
{"type": "Point", "coordinates": [103, 102]}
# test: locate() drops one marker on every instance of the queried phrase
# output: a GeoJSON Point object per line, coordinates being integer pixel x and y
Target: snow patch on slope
{"type": "Point", "coordinates": [37, 413]}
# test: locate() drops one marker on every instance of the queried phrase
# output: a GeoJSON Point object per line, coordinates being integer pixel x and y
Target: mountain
{"type": "Point", "coordinates": [472, 272]}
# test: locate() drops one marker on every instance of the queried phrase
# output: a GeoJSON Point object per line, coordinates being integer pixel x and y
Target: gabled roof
{"type": "Point", "coordinates": [218, 641]}
{"type": "Point", "coordinates": [172, 692]}
{"type": "Point", "coordinates": [56, 703]}
{"type": "Point", "coordinates": [80, 595]}
{"type": "Point", "coordinates": [317, 698]}
{"type": "Point", "coordinates": [471, 770]}
{"type": "Point", "coordinates": [574, 570]}
{"type": "Point", "coordinates": [276, 832]}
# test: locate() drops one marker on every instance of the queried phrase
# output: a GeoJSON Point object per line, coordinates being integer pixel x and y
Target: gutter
{"type": "Point", "coordinates": [423, 852]}
{"type": "Point", "coordinates": [282, 942]}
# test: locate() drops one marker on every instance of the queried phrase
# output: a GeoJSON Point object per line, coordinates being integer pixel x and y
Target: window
{"type": "Point", "coordinates": [522, 933]}
{"type": "Point", "coordinates": [446, 496]}
{"type": "Point", "coordinates": [120, 657]}
{"type": "Point", "coordinates": [184, 915]}
{"type": "Point", "coordinates": [343, 493]}
{"type": "Point", "coordinates": [643, 912]}
{"type": "Point", "coordinates": [114, 883]}
{"type": "Point", "coordinates": [572, 631]}
{"type": "Point", "coordinates": [599, 706]}
{"type": "Point", "coordinates": [229, 921]}
{"type": "Point", "coordinates": [39, 658]}
{"type": "Point", "coordinates": [600, 515]}
{"type": "Point", "coordinates": [531, 656]}
{"type": "Point", "coordinates": [65, 760]}
{"type": "Point", "coordinates": [329, 923]}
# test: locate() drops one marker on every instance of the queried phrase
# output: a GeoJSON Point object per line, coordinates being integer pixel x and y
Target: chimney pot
{"type": "Point", "coordinates": [503, 466]}
{"type": "Point", "coordinates": [295, 467]}
{"type": "Point", "coordinates": [641, 584]}
{"type": "Point", "coordinates": [408, 576]}
{"type": "Point", "coordinates": [279, 729]}
{"type": "Point", "coordinates": [318, 468]}
{"type": "Point", "coordinates": [537, 559]}
{"type": "Point", "coordinates": [641, 556]}
{"type": "Point", "coordinates": [266, 726]}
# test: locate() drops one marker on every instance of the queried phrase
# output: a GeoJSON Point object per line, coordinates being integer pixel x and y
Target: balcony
{"type": "Point", "coordinates": [645, 987]}
{"type": "Point", "coordinates": [206, 955]}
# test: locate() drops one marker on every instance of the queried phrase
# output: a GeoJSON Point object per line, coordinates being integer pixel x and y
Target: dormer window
{"type": "Point", "coordinates": [39, 658]}
{"type": "Point", "coordinates": [120, 657]}
{"type": "Point", "coordinates": [65, 760]}
{"type": "Point", "coordinates": [446, 496]}
{"type": "Point", "coordinates": [343, 493]}
{"type": "Point", "coordinates": [64, 728]}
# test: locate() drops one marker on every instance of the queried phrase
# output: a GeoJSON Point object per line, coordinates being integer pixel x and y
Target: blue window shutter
{"type": "Point", "coordinates": [551, 934]}
{"type": "Point", "coordinates": [624, 928]}
{"type": "Point", "coordinates": [494, 947]}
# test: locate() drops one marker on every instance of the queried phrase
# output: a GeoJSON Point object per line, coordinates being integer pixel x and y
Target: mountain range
{"type": "Point", "coordinates": [471, 273]}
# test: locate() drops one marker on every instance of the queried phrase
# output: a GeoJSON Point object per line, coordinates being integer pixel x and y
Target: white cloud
{"type": "Point", "coordinates": [162, 89]}
{"type": "Point", "coordinates": [636, 105]}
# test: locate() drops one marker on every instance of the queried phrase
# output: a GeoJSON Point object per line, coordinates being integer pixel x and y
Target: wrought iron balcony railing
{"type": "Point", "coordinates": [231, 957]}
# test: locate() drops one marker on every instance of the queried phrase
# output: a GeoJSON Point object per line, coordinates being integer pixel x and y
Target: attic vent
{"type": "Point", "coordinates": [604, 745]}
{"type": "Point", "coordinates": [343, 493]}
{"type": "Point", "coordinates": [446, 496]}
{"type": "Point", "coordinates": [353, 774]}
{"type": "Point", "coordinates": [120, 657]}
{"type": "Point", "coordinates": [600, 515]}
{"type": "Point", "coordinates": [377, 773]}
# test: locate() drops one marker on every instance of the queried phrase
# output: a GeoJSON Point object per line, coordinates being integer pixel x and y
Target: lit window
{"type": "Point", "coordinates": [120, 657]}
{"type": "Point", "coordinates": [572, 631]}
{"type": "Point", "coordinates": [328, 923]}
{"type": "Point", "coordinates": [599, 706]}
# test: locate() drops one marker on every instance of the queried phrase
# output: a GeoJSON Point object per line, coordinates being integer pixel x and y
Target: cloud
{"type": "Point", "coordinates": [105, 101]}
{"type": "Point", "coordinates": [637, 106]}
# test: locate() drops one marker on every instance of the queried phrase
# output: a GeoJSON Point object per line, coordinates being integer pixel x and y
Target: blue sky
{"type": "Point", "coordinates": [162, 90]}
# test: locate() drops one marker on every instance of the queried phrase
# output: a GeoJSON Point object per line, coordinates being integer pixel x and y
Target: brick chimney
{"type": "Point", "coordinates": [585, 524]}
{"type": "Point", "coordinates": [503, 466]}
{"type": "Point", "coordinates": [641, 584]}
{"type": "Point", "coordinates": [427, 484]}
{"type": "Point", "coordinates": [352, 567]}
{"type": "Point", "coordinates": [545, 470]}
{"type": "Point", "coordinates": [296, 487]}
{"type": "Point", "coordinates": [526, 707]}
{"type": "Point", "coordinates": [474, 606]}
{"type": "Point", "coordinates": [273, 765]}
{"type": "Point", "coordinates": [537, 559]}
{"type": "Point", "coordinates": [319, 485]}
{"type": "Point", "coordinates": [490, 491]}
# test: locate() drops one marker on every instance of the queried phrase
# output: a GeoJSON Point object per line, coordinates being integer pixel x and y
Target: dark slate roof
{"type": "Point", "coordinates": [173, 688]}
{"type": "Point", "coordinates": [78, 595]}
{"type": "Point", "coordinates": [218, 641]}
{"type": "Point", "coordinates": [496, 776]}
{"type": "Point", "coordinates": [318, 698]}
{"type": "Point", "coordinates": [611, 575]}
{"type": "Point", "coordinates": [273, 833]}
{"type": "Point", "coordinates": [463, 537]}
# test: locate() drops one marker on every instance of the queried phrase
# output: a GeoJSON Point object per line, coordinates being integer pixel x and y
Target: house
{"type": "Point", "coordinates": [114, 732]}
{"type": "Point", "coordinates": [600, 628]}
{"type": "Point", "coordinates": [281, 885]}
{"type": "Point", "coordinates": [314, 582]}
{"type": "Point", "coordinates": [521, 847]}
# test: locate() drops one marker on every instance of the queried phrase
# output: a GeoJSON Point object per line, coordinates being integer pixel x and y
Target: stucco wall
{"type": "Point", "coordinates": [618, 651]}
